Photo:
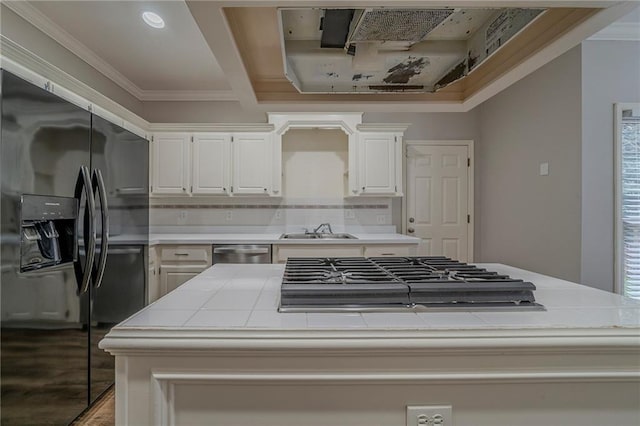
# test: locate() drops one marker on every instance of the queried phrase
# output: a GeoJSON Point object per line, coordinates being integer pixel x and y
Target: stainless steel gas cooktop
{"type": "Point", "coordinates": [398, 284]}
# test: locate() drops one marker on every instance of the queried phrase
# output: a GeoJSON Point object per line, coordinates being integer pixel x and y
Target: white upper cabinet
{"type": "Point", "coordinates": [171, 163]}
{"type": "Point", "coordinates": [252, 163]}
{"type": "Point", "coordinates": [379, 163]}
{"type": "Point", "coordinates": [210, 165]}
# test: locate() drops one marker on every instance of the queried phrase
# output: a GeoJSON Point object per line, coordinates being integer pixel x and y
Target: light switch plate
{"type": "Point", "coordinates": [349, 214]}
{"type": "Point", "coordinates": [182, 217]}
{"type": "Point", "coordinates": [544, 169]}
{"type": "Point", "coordinates": [229, 215]}
{"type": "Point", "coordinates": [381, 219]}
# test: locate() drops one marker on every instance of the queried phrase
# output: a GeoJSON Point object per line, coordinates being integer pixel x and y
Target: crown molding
{"type": "Point", "coordinates": [32, 15]}
{"type": "Point", "coordinates": [622, 31]}
{"type": "Point", "coordinates": [187, 95]}
{"type": "Point", "coordinates": [31, 67]}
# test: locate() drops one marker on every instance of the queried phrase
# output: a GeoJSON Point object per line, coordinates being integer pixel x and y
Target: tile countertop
{"type": "Point", "coordinates": [245, 297]}
{"type": "Point", "coordinates": [271, 238]}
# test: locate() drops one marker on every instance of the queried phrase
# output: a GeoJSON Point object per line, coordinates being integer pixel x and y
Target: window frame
{"type": "Point", "coordinates": [618, 284]}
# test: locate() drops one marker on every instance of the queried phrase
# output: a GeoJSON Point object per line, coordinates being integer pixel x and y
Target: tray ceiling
{"type": "Point", "coordinates": [262, 56]}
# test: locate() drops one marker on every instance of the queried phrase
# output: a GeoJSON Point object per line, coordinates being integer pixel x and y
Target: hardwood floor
{"type": "Point", "coordinates": [43, 375]}
{"type": "Point", "coordinates": [102, 413]}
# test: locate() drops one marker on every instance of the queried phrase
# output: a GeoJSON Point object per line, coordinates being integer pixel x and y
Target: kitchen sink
{"type": "Point", "coordinates": [322, 236]}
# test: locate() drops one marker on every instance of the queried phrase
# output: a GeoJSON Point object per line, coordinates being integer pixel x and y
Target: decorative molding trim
{"type": "Point", "coordinates": [621, 31]}
{"type": "Point", "coordinates": [163, 396]}
{"type": "Point", "coordinates": [188, 95]}
{"type": "Point", "coordinates": [211, 127]}
{"type": "Point", "coordinates": [30, 66]}
{"type": "Point", "coordinates": [32, 15]}
{"type": "Point", "coordinates": [259, 343]}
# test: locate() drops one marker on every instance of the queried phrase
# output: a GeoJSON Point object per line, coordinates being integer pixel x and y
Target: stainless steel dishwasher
{"type": "Point", "coordinates": [242, 253]}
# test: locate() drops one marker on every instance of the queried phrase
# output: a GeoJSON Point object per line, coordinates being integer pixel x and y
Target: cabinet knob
{"type": "Point", "coordinates": [184, 189]}
{"type": "Point", "coordinates": [411, 220]}
{"type": "Point", "coordinates": [265, 189]}
{"type": "Point", "coordinates": [363, 189]}
{"type": "Point", "coordinates": [411, 230]}
{"type": "Point", "coordinates": [224, 189]}
{"type": "Point", "coordinates": [355, 191]}
{"type": "Point", "coordinates": [275, 191]}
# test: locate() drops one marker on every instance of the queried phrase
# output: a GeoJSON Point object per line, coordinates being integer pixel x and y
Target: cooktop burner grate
{"type": "Point", "coordinates": [382, 283]}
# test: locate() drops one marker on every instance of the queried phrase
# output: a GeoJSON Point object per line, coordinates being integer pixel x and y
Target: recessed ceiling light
{"type": "Point", "coordinates": [153, 19]}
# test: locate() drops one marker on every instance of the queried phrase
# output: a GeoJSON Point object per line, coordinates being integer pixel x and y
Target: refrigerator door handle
{"type": "Point", "coordinates": [98, 182]}
{"type": "Point", "coordinates": [83, 277]}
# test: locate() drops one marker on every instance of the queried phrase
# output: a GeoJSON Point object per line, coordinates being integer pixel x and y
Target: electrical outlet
{"type": "Point", "coordinates": [381, 219]}
{"type": "Point", "coordinates": [429, 415]}
{"type": "Point", "coordinates": [182, 217]}
{"type": "Point", "coordinates": [278, 214]}
{"type": "Point", "coordinates": [229, 215]}
{"type": "Point", "coordinates": [349, 214]}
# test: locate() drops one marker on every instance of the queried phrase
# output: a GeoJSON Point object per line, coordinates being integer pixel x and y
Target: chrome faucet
{"type": "Point", "coordinates": [321, 226]}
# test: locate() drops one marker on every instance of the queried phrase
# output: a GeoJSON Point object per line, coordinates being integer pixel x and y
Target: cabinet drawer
{"type": "Point", "coordinates": [186, 253]}
{"type": "Point", "coordinates": [388, 250]}
{"type": "Point", "coordinates": [282, 253]}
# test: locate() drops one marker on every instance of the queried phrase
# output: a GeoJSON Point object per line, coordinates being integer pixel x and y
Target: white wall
{"type": "Point", "coordinates": [528, 220]}
{"type": "Point", "coordinates": [610, 74]}
{"type": "Point", "coordinates": [200, 112]}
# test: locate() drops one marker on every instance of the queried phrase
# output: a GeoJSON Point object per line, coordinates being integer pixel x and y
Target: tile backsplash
{"type": "Point", "coordinates": [290, 214]}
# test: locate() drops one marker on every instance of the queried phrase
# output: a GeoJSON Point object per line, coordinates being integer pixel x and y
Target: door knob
{"type": "Point", "coordinates": [411, 230]}
{"type": "Point", "coordinates": [411, 220]}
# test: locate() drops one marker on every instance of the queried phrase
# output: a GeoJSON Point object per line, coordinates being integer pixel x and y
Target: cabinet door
{"type": "Point", "coordinates": [173, 276]}
{"type": "Point", "coordinates": [377, 163]}
{"type": "Point", "coordinates": [170, 163]}
{"type": "Point", "coordinates": [210, 163]}
{"type": "Point", "coordinates": [252, 163]}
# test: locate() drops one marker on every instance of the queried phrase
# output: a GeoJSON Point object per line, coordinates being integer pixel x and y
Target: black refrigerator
{"type": "Point", "coordinates": [74, 209]}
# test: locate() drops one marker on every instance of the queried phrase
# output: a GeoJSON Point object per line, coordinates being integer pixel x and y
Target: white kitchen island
{"type": "Point", "coordinates": [216, 352]}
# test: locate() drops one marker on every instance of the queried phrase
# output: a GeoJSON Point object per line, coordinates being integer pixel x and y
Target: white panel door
{"type": "Point", "coordinates": [210, 166]}
{"type": "Point", "coordinates": [170, 163]}
{"type": "Point", "coordinates": [437, 199]}
{"type": "Point", "coordinates": [377, 163]}
{"type": "Point", "coordinates": [251, 163]}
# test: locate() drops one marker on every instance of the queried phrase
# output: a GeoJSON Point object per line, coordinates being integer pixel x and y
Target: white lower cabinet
{"type": "Point", "coordinates": [153, 276]}
{"type": "Point", "coordinates": [282, 252]}
{"type": "Point", "coordinates": [173, 276]}
{"type": "Point", "coordinates": [391, 250]}
{"type": "Point", "coordinates": [180, 263]}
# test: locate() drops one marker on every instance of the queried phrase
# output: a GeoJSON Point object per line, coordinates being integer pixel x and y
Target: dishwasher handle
{"type": "Point", "coordinates": [237, 250]}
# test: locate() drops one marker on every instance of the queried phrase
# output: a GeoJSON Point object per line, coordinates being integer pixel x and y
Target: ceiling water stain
{"type": "Point", "coordinates": [401, 73]}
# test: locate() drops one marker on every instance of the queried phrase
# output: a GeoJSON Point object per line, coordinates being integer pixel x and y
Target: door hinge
{"type": "Point", "coordinates": [231, 138]}
{"type": "Point", "coordinates": [191, 138]}
{"type": "Point", "coordinates": [395, 139]}
{"type": "Point", "coordinates": [151, 188]}
{"type": "Point", "coordinates": [192, 188]}
{"type": "Point", "coordinates": [152, 138]}
{"type": "Point", "coordinates": [231, 188]}
{"type": "Point", "coordinates": [396, 188]}
{"type": "Point", "coordinates": [468, 218]}
{"type": "Point", "coordinates": [468, 162]}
